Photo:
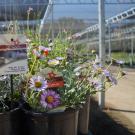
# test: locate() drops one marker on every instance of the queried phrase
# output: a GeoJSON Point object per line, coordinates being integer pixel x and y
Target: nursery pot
{"type": "Point", "coordinates": [10, 122]}
{"type": "Point", "coordinates": [63, 123]}
{"type": "Point", "coordinates": [83, 119]}
{"type": "Point", "coordinates": [35, 123]}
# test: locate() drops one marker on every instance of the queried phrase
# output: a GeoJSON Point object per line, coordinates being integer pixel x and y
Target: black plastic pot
{"type": "Point", "coordinates": [58, 123]}
{"type": "Point", "coordinates": [83, 119]}
{"type": "Point", "coordinates": [35, 123]}
{"type": "Point", "coordinates": [64, 123]}
{"type": "Point", "coordinates": [10, 122]}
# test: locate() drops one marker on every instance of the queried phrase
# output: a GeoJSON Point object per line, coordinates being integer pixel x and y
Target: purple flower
{"type": "Point", "coordinates": [97, 68]}
{"type": "Point", "coordinates": [120, 62]}
{"type": "Point", "coordinates": [42, 48]}
{"type": "Point", "coordinates": [113, 80]}
{"type": "Point", "coordinates": [38, 83]}
{"type": "Point", "coordinates": [110, 77]}
{"type": "Point", "coordinates": [98, 85]}
{"type": "Point", "coordinates": [59, 58]}
{"type": "Point", "coordinates": [50, 99]}
{"type": "Point", "coordinates": [106, 73]}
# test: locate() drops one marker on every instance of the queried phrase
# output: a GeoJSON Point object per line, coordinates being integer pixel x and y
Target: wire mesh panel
{"type": "Point", "coordinates": [17, 9]}
{"type": "Point", "coordinates": [18, 12]}
{"type": "Point", "coordinates": [81, 19]}
{"type": "Point", "coordinates": [16, 18]}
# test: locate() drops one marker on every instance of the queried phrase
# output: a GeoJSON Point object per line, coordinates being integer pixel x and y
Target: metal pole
{"type": "Point", "coordinates": [46, 14]}
{"type": "Point", "coordinates": [11, 89]}
{"type": "Point", "coordinates": [101, 17]}
{"type": "Point", "coordinates": [5, 11]}
{"type": "Point", "coordinates": [132, 45]}
{"type": "Point", "coordinates": [109, 31]}
{"type": "Point", "coordinates": [132, 50]}
{"type": "Point", "coordinates": [52, 23]}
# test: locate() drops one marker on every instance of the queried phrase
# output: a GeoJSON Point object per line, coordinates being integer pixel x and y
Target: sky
{"type": "Point", "coordinates": [88, 12]}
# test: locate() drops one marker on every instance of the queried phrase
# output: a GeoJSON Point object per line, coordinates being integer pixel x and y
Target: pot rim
{"type": "Point", "coordinates": [10, 111]}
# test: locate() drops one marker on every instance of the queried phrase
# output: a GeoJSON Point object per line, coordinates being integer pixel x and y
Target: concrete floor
{"type": "Point", "coordinates": [120, 101]}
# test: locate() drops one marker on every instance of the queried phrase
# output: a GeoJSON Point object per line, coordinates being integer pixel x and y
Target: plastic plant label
{"type": "Point", "coordinates": [56, 82]}
{"type": "Point", "coordinates": [13, 54]}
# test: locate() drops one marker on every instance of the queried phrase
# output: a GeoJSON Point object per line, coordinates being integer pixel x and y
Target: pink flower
{"type": "Point", "coordinates": [36, 53]}
{"type": "Point", "coordinates": [50, 99]}
{"type": "Point", "coordinates": [44, 50]}
{"type": "Point", "coordinates": [41, 52]}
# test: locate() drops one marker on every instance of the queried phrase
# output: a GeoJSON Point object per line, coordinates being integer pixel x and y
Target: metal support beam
{"type": "Point", "coordinates": [132, 45]}
{"type": "Point", "coordinates": [117, 18]}
{"type": "Point", "coordinates": [101, 17]}
{"type": "Point", "coordinates": [109, 33]}
{"type": "Point", "coordinates": [132, 50]}
{"type": "Point", "coordinates": [47, 12]}
{"type": "Point", "coordinates": [52, 23]}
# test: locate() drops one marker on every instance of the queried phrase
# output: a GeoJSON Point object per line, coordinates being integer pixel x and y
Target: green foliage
{"type": "Point", "coordinates": [126, 57]}
{"type": "Point", "coordinates": [75, 89]}
{"type": "Point", "coordinates": [6, 98]}
{"type": "Point", "coordinates": [33, 99]}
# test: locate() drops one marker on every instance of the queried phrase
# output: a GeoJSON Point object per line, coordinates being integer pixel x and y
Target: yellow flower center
{"type": "Point", "coordinates": [38, 84]}
{"type": "Point", "coordinates": [50, 99]}
{"type": "Point", "coordinates": [99, 70]}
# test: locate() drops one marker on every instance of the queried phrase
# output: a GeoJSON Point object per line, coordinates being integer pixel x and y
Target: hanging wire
{"type": "Point", "coordinates": [5, 16]}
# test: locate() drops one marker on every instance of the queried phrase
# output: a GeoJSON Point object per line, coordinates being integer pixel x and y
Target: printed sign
{"type": "Point", "coordinates": [13, 54]}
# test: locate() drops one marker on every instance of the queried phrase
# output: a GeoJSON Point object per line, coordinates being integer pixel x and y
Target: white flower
{"type": "Point", "coordinates": [77, 69]}
{"type": "Point", "coordinates": [28, 40]}
{"type": "Point", "coordinates": [77, 73]}
{"type": "Point", "coordinates": [53, 62]}
{"type": "Point", "coordinates": [38, 83]}
{"type": "Point", "coordinates": [50, 44]}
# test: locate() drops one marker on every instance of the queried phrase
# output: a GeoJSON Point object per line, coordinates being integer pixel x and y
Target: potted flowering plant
{"type": "Point", "coordinates": [100, 79]}
{"type": "Point", "coordinates": [56, 86]}
{"type": "Point", "coordinates": [51, 90]}
{"type": "Point", "coordinates": [10, 113]}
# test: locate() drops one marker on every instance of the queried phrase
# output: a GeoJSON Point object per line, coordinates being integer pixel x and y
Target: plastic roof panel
{"type": "Point", "coordinates": [17, 9]}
